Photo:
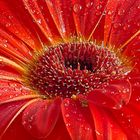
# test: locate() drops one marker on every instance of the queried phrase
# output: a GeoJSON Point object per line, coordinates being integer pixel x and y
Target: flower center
{"type": "Point", "coordinates": [73, 68]}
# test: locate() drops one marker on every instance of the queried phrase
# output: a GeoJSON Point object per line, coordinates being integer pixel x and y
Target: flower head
{"type": "Point", "coordinates": [69, 69]}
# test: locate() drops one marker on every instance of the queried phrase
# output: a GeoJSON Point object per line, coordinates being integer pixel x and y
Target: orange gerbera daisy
{"type": "Point", "coordinates": [69, 69]}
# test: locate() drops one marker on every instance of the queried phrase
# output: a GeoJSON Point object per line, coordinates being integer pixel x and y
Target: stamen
{"type": "Point", "coordinates": [73, 68]}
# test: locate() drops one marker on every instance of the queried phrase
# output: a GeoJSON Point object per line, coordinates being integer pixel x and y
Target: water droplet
{"type": "Point", "coordinates": [66, 104]}
{"type": "Point", "coordinates": [30, 119]}
{"type": "Point", "coordinates": [116, 25]}
{"type": "Point", "coordinates": [109, 12]}
{"type": "Point", "coordinates": [10, 96]}
{"type": "Point", "coordinates": [98, 13]}
{"type": "Point", "coordinates": [29, 126]}
{"type": "Point", "coordinates": [139, 7]}
{"type": "Point", "coordinates": [89, 4]}
{"type": "Point", "coordinates": [99, 7]}
{"type": "Point", "coordinates": [5, 45]}
{"type": "Point", "coordinates": [87, 128]}
{"type": "Point", "coordinates": [97, 132]}
{"type": "Point", "coordinates": [122, 114]}
{"type": "Point", "coordinates": [77, 8]}
{"type": "Point", "coordinates": [126, 90]}
{"type": "Point", "coordinates": [10, 16]}
{"type": "Point", "coordinates": [39, 21]}
{"type": "Point", "coordinates": [129, 120]}
{"type": "Point", "coordinates": [138, 24]}
{"type": "Point", "coordinates": [67, 124]}
{"type": "Point", "coordinates": [138, 99]}
{"type": "Point", "coordinates": [16, 32]}
{"type": "Point", "coordinates": [136, 84]}
{"type": "Point", "coordinates": [24, 122]}
{"type": "Point", "coordinates": [67, 115]}
{"type": "Point", "coordinates": [7, 24]}
{"type": "Point", "coordinates": [121, 12]}
{"type": "Point", "coordinates": [126, 27]}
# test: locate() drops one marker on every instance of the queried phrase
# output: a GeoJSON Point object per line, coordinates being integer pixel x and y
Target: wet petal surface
{"type": "Point", "coordinates": [77, 120]}
{"type": "Point", "coordinates": [40, 118]}
{"type": "Point", "coordinates": [115, 95]}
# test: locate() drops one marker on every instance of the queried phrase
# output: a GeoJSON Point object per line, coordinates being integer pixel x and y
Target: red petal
{"type": "Point", "coordinates": [105, 126]}
{"type": "Point", "coordinates": [8, 72]}
{"type": "Point", "coordinates": [13, 47]}
{"type": "Point", "coordinates": [12, 21]}
{"type": "Point", "coordinates": [135, 98]}
{"type": "Point", "coordinates": [61, 12]}
{"type": "Point", "coordinates": [48, 30]}
{"type": "Point", "coordinates": [7, 113]}
{"type": "Point", "coordinates": [40, 118]}
{"type": "Point", "coordinates": [114, 95]}
{"type": "Point", "coordinates": [87, 16]}
{"type": "Point", "coordinates": [128, 119]}
{"type": "Point", "coordinates": [59, 132]}
{"type": "Point", "coordinates": [77, 120]}
{"type": "Point", "coordinates": [132, 50]}
{"type": "Point", "coordinates": [122, 21]}
{"type": "Point", "coordinates": [16, 131]}
{"type": "Point", "coordinates": [10, 90]}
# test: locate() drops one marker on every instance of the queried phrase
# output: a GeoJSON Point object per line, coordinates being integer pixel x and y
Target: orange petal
{"type": "Point", "coordinates": [40, 118]}
{"type": "Point", "coordinates": [77, 120]}
{"type": "Point", "coordinates": [115, 95]}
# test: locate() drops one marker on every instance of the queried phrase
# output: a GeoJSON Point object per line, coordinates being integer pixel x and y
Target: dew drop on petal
{"type": "Point", "coordinates": [7, 24]}
{"type": "Point", "coordinates": [87, 128]}
{"type": "Point", "coordinates": [24, 122]}
{"type": "Point", "coordinates": [67, 124]}
{"type": "Point", "coordinates": [10, 96]}
{"type": "Point", "coordinates": [39, 21]}
{"type": "Point", "coordinates": [77, 8]}
{"type": "Point", "coordinates": [29, 127]}
{"type": "Point", "coordinates": [121, 12]}
{"type": "Point", "coordinates": [138, 99]}
{"type": "Point", "coordinates": [16, 32]}
{"type": "Point", "coordinates": [117, 25]}
{"type": "Point", "coordinates": [97, 132]}
{"type": "Point", "coordinates": [98, 13]}
{"type": "Point", "coordinates": [136, 84]}
{"type": "Point", "coordinates": [109, 12]}
{"type": "Point", "coordinates": [89, 4]}
{"type": "Point", "coordinates": [99, 7]}
{"type": "Point", "coordinates": [67, 115]}
{"type": "Point", "coordinates": [126, 90]}
{"type": "Point", "coordinates": [139, 7]}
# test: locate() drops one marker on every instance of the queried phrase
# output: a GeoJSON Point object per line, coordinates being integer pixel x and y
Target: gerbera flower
{"type": "Point", "coordinates": [69, 69]}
